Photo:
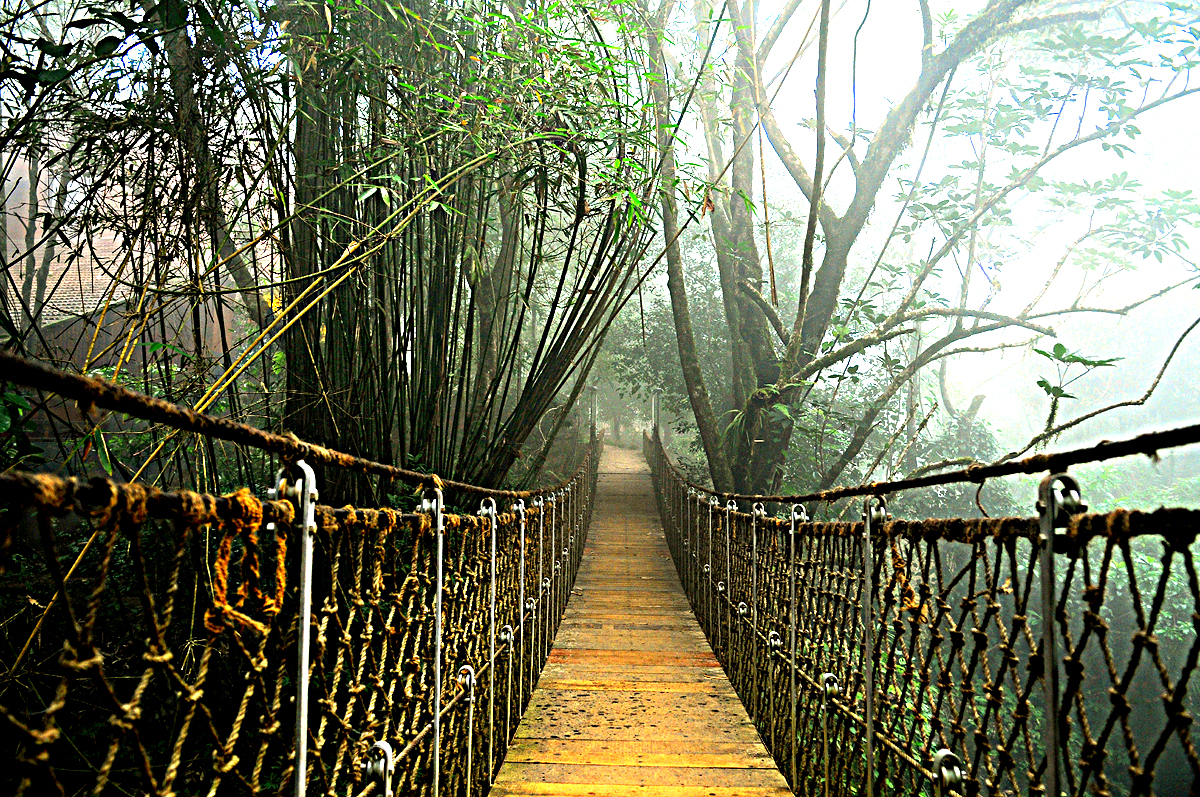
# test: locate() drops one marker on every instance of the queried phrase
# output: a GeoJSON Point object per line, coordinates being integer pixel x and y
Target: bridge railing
{"type": "Point", "coordinates": [156, 642]}
{"type": "Point", "coordinates": [898, 657]}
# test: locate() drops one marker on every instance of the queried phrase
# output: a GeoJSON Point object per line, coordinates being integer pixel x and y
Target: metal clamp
{"type": "Point", "coordinates": [742, 609]}
{"type": "Point", "coordinates": [947, 773]}
{"type": "Point", "coordinates": [379, 766]}
{"type": "Point", "coordinates": [830, 688]}
{"type": "Point", "coordinates": [466, 679]}
{"type": "Point", "coordinates": [774, 641]}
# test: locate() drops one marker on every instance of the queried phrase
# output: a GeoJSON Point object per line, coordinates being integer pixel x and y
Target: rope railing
{"type": "Point", "coordinates": [92, 392]}
{"type": "Point", "coordinates": [154, 641]}
{"type": "Point", "coordinates": [992, 656]}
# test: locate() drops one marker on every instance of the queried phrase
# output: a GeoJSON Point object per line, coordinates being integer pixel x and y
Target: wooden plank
{"type": "Point", "coordinates": [628, 753]}
{"type": "Point", "coordinates": [594, 774]}
{"type": "Point", "coordinates": [627, 685]}
{"type": "Point", "coordinates": [622, 789]}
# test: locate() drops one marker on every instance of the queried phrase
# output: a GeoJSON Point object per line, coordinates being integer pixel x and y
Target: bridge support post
{"type": "Point", "coordinates": [487, 508]}
{"type": "Point", "coordinates": [304, 495]}
{"type": "Point", "coordinates": [1055, 506]}
{"type": "Point", "coordinates": [798, 515]}
{"type": "Point", "coordinates": [874, 511]}
{"type": "Point", "coordinates": [829, 690]}
{"type": "Point", "coordinates": [432, 502]}
{"type": "Point", "coordinates": [519, 509]}
{"type": "Point", "coordinates": [758, 512]}
{"type": "Point", "coordinates": [466, 679]}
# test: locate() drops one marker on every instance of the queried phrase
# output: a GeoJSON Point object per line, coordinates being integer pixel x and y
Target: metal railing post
{"type": "Point", "coordinates": [874, 511]}
{"type": "Point", "coordinates": [730, 508]}
{"type": "Point", "coordinates": [519, 509]}
{"type": "Point", "coordinates": [304, 495]}
{"type": "Point", "coordinates": [829, 690]}
{"type": "Point", "coordinates": [487, 508]}
{"type": "Point", "coordinates": [1054, 508]}
{"type": "Point", "coordinates": [798, 515]}
{"type": "Point", "coordinates": [758, 513]}
{"type": "Point", "coordinates": [466, 679]}
{"type": "Point", "coordinates": [432, 502]}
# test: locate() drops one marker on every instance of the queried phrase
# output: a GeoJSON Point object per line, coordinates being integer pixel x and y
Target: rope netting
{"type": "Point", "coordinates": [152, 637]}
{"type": "Point", "coordinates": [897, 657]}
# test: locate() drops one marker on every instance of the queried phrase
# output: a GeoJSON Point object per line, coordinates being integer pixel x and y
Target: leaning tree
{"type": "Point", "coordinates": [999, 99]}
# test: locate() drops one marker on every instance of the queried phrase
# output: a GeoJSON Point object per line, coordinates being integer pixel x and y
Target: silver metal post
{"type": "Point", "coordinates": [432, 502]}
{"type": "Point", "coordinates": [487, 508]}
{"type": "Point", "coordinates": [540, 503]}
{"type": "Point", "coordinates": [713, 503]}
{"type": "Point", "coordinates": [758, 511]}
{"type": "Point", "coordinates": [829, 690]}
{"type": "Point", "coordinates": [549, 638]}
{"type": "Point", "coordinates": [798, 515]}
{"type": "Point", "coordinates": [466, 677]}
{"type": "Point", "coordinates": [874, 510]}
{"type": "Point", "coordinates": [730, 508]}
{"type": "Point", "coordinates": [304, 495]}
{"type": "Point", "coordinates": [1054, 507]}
{"type": "Point", "coordinates": [507, 637]}
{"type": "Point", "coordinates": [519, 509]}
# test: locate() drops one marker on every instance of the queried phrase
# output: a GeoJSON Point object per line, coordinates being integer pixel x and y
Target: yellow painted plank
{"type": "Point", "coordinates": [615, 685]}
{"type": "Point", "coordinates": [627, 753]}
{"type": "Point", "coordinates": [622, 789]}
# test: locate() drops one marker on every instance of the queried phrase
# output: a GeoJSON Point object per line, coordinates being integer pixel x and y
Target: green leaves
{"type": "Point", "coordinates": [1060, 354]}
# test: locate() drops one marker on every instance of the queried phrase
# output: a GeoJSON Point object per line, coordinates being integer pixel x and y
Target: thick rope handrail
{"type": "Point", "coordinates": [1149, 444]}
{"type": "Point", "coordinates": [90, 391]}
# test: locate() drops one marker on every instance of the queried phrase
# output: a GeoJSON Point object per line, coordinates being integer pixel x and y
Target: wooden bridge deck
{"type": "Point", "coordinates": [632, 701]}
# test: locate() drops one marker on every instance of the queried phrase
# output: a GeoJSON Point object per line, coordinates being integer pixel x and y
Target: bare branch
{"type": "Point", "coordinates": [772, 35]}
{"type": "Point", "coordinates": [1053, 432]}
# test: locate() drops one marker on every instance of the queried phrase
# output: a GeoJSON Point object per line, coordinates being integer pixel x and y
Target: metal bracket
{"type": "Point", "coordinates": [947, 773]}
{"type": "Point", "coordinates": [380, 765]}
{"type": "Point", "coordinates": [466, 679]}
{"type": "Point", "coordinates": [830, 688]}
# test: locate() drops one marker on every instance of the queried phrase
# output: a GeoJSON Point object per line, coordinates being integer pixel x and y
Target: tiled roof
{"type": "Point", "coordinates": [76, 285]}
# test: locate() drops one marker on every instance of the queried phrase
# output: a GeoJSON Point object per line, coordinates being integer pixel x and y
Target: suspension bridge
{"type": "Point", "coordinates": [622, 632]}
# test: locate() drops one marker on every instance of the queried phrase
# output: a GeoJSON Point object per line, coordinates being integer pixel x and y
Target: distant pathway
{"type": "Point", "coordinates": [632, 701]}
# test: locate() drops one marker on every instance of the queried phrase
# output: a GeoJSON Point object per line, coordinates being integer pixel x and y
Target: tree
{"type": "Point", "coordinates": [1002, 96]}
{"type": "Point", "coordinates": [413, 224]}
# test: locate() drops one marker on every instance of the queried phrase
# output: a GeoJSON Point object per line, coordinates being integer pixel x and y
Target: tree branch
{"type": "Point", "coordinates": [1050, 434]}
{"type": "Point", "coordinates": [772, 35]}
{"type": "Point", "coordinates": [761, 302]}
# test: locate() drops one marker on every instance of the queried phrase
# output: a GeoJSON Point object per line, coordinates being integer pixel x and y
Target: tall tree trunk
{"type": "Point", "coordinates": [33, 209]}
{"type": "Point", "coordinates": [710, 436]}
{"type": "Point", "coordinates": [304, 395]}
{"type": "Point", "coordinates": [181, 64]}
